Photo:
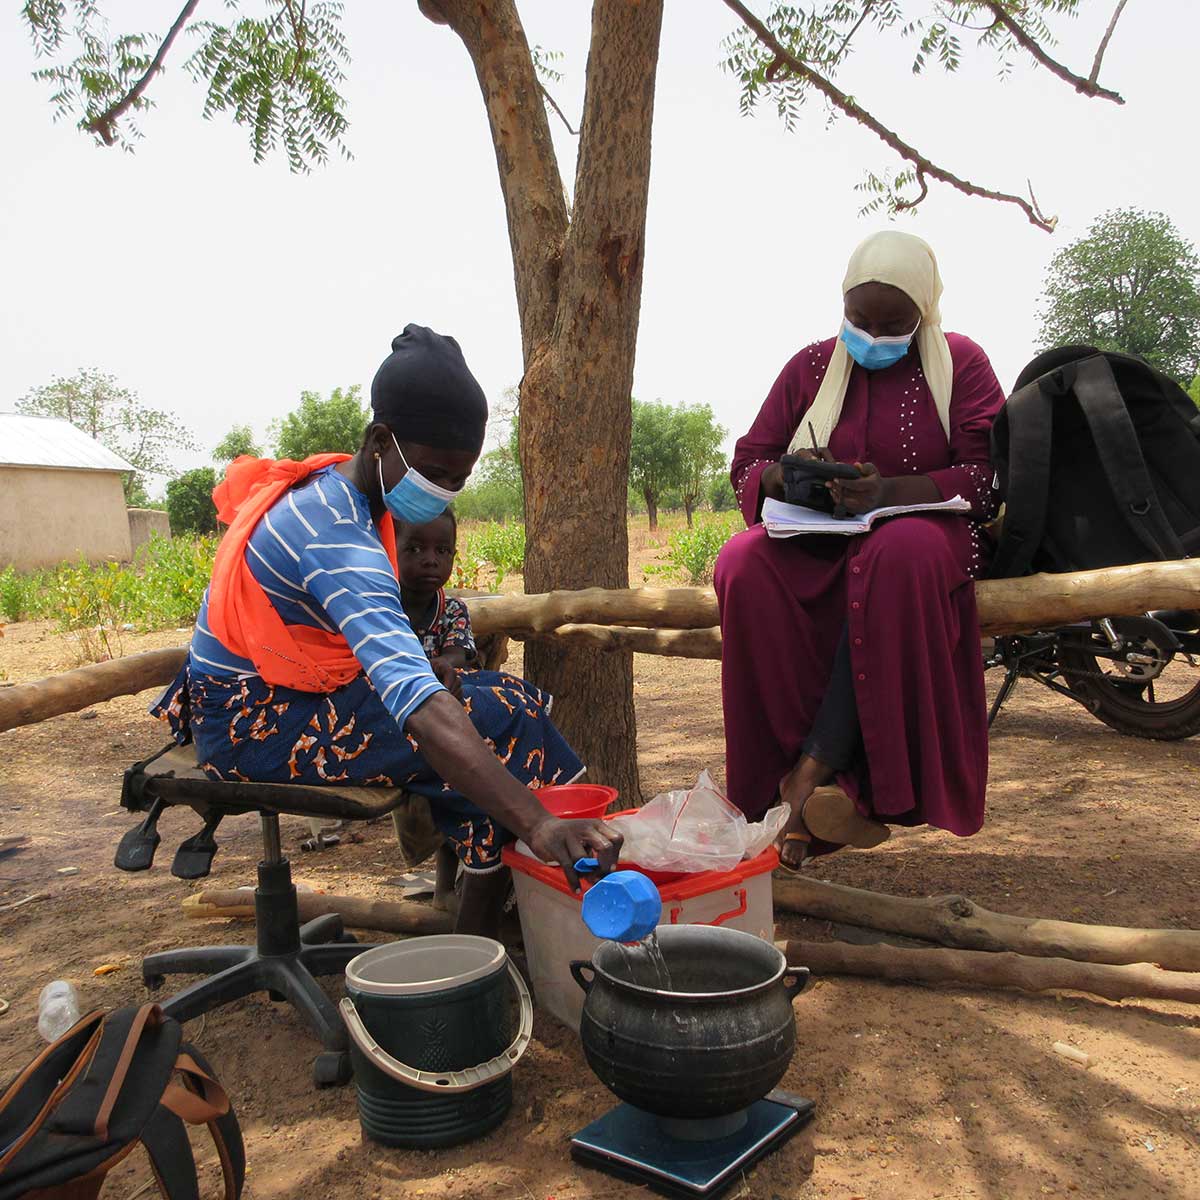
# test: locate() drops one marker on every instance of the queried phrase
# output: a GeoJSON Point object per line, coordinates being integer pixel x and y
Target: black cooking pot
{"type": "Point", "coordinates": [714, 1039]}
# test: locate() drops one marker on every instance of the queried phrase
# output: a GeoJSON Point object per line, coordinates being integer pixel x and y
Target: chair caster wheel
{"type": "Point", "coordinates": [332, 1068]}
{"type": "Point", "coordinates": [153, 982]}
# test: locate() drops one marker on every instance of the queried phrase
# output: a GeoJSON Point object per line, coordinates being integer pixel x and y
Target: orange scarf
{"type": "Point", "coordinates": [240, 614]}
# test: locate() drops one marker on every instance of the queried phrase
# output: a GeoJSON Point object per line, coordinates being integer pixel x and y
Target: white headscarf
{"type": "Point", "coordinates": [906, 262]}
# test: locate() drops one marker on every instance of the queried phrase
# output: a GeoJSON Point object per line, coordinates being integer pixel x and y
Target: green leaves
{"type": "Point", "coordinates": [238, 441]}
{"type": "Point", "coordinates": [804, 46]}
{"type": "Point", "coordinates": [1132, 284]}
{"type": "Point", "coordinates": [94, 402]}
{"type": "Point", "coordinates": [190, 504]}
{"type": "Point", "coordinates": [674, 449]}
{"type": "Point", "coordinates": [322, 426]}
{"type": "Point", "coordinates": [278, 74]}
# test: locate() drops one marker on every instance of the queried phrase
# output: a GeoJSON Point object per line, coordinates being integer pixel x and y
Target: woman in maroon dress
{"type": "Point", "coordinates": [858, 659]}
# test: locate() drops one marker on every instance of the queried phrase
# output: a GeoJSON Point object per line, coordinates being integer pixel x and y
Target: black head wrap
{"type": "Point", "coordinates": [425, 393]}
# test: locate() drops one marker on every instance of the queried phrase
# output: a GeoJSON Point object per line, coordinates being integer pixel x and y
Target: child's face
{"type": "Point", "coordinates": [425, 554]}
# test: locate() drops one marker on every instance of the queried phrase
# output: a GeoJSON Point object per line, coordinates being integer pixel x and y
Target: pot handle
{"type": "Point", "coordinates": [792, 988]}
{"type": "Point", "coordinates": [577, 969]}
{"type": "Point", "coordinates": [466, 1079]}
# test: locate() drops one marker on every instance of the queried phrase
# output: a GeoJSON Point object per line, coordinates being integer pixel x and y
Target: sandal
{"type": "Point", "coordinates": [805, 839]}
{"type": "Point", "coordinates": [829, 814]}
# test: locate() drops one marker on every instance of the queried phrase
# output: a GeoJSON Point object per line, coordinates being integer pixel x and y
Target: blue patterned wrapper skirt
{"type": "Point", "coordinates": [248, 730]}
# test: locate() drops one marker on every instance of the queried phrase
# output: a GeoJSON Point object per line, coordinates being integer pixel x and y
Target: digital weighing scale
{"type": "Point", "coordinates": [689, 1158]}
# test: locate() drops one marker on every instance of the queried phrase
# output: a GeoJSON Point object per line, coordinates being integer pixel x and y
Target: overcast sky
{"type": "Point", "coordinates": [219, 290]}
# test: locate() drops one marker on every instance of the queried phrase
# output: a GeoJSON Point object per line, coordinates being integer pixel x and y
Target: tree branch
{"type": "Point", "coordinates": [842, 102]}
{"type": "Point", "coordinates": [1087, 87]}
{"type": "Point", "coordinates": [530, 182]}
{"type": "Point", "coordinates": [1105, 40]}
{"type": "Point", "coordinates": [866, 12]}
{"type": "Point", "coordinates": [554, 105]}
{"type": "Point", "coordinates": [102, 126]}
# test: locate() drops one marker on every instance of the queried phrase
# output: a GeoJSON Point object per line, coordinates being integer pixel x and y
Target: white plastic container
{"type": "Point", "coordinates": [554, 932]}
{"type": "Point", "coordinates": [58, 1009]}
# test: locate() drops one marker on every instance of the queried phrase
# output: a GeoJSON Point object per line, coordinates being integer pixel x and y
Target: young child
{"type": "Point", "coordinates": [424, 560]}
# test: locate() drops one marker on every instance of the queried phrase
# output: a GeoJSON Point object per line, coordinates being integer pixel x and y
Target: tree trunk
{"type": "Point", "coordinates": [688, 507]}
{"type": "Point", "coordinates": [651, 509]}
{"type": "Point", "coordinates": [579, 295]}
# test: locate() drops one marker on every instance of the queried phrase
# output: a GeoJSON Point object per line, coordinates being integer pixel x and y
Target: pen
{"type": "Point", "coordinates": [812, 433]}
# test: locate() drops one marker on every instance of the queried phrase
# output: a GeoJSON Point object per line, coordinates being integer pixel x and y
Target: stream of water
{"type": "Point", "coordinates": [644, 963]}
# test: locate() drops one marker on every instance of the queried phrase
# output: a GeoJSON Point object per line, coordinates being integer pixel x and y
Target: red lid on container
{"type": "Point", "coordinates": [672, 885]}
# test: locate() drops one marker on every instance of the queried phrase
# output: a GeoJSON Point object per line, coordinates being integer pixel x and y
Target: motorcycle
{"type": "Point", "coordinates": [1139, 675]}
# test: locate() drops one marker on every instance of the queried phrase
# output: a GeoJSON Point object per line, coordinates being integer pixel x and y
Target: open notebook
{"type": "Point", "coordinates": [787, 520]}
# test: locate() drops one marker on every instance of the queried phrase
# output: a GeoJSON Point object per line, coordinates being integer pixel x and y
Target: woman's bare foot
{"type": "Point", "coordinates": [795, 789]}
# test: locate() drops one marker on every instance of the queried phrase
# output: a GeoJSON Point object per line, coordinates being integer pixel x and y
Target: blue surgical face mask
{"type": "Point", "coordinates": [875, 353]}
{"type": "Point", "coordinates": [414, 499]}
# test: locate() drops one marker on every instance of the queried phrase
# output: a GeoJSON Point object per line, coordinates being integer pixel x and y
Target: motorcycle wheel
{"type": "Point", "coordinates": [1164, 707]}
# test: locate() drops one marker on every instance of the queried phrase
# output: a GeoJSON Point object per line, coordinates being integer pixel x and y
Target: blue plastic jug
{"type": "Point", "coordinates": [623, 907]}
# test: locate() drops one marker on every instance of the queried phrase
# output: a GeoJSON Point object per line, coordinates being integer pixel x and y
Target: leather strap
{"type": "Point", "coordinates": [148, 1015]}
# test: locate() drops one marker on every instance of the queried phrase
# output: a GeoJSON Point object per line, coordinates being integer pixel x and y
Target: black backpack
{"type": "Point", "coordinates": [108, 1084]}
{"type": "Point", "coordinates": [1097, 457]}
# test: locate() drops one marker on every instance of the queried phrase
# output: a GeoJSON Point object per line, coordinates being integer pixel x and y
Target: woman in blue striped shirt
{"type": "Point", "coordinates": [304, 667]}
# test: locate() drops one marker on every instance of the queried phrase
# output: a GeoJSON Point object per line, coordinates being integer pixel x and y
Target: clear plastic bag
{"type": "Point", "coordinates": [696, 830]}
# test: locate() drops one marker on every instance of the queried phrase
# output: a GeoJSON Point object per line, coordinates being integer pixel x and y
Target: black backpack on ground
{"type": "Point", "coordinates": [1098, 460]}
{"type": "Point", "coordinates": [89, 1099]}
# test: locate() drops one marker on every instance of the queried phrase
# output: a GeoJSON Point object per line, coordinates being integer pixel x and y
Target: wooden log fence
{"type": "Point", "coordinates": [669, 621]}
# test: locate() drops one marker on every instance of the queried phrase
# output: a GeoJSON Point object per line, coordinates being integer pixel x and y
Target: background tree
{"type": "Point", "coordinates": [190, 504]}
{"type": "Point", "coordinates": [721, 495]}
{"type": "Point", "coordinates": [577, 269]}
{"type": "Point", "coordinates": [322, 426]}
{"type": "Point", "coordinates": [655, 454]}
{"type": "Point", "coordinates": [1132, 284]}
{"type": "Point", "coordinates": [94, 402]}
{"type": "Point", "coordinates": [700, 456]}
{"type": "Point", "coordinates": [1194, 391]}
{"type": "Point", "coordinates": [496, 491]}
{"type": "Point", "coordinates": [238, 441]}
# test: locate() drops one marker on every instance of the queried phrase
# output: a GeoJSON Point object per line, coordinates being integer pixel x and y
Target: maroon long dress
{"type": "Point", "coordinates": [905, 590]}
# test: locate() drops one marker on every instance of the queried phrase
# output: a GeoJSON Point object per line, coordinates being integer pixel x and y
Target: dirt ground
{"type": "Point", "coordinates": [921, 1092]}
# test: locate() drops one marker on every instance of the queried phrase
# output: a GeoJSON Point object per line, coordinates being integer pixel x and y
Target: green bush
{"type": "Point", "coordinates": [721, 495]}
{"type": "Point", "coordinates": [691, 554]}
{"type": "Point", "coordinates": [495, 492]}
{"type": "Point", "coordinates": [501, 546]}
{"type": "Point", "coordinates": [490, 500]}
{"type": "Point", "coordinates": [16, 595]}
{"type": "Point", "coordinates": [172, 574]}
{"type": "Point", "coordinates": [190, 503]}
{"type": "Point", "coordinates": [164, 587]}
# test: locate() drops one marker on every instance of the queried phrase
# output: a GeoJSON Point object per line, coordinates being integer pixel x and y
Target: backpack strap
{"type": "Point", "coordinates": [166, 1141]}
{"type": "Point", "coordinates": [200, 1099]}
{"type": "Point", "coordinates": [147, 1015]}
{"type": "Point", "coordinates": [1119, 451]}
{"type": "Point", "coordinates": [1028, 417]}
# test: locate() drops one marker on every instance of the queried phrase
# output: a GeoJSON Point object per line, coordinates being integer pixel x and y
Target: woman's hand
{"type": "Point", "coordinates": [447, 676]}
{"type": "Point", "coordinates": [563, 842]}
{"type": "Point", "coordinates": [862, 494]}
{"type": "Point", "coordinates": [771, 482]}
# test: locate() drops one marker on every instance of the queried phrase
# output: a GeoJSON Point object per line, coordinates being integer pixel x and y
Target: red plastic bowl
{"type": "Point", "coordinates": [577, 799]}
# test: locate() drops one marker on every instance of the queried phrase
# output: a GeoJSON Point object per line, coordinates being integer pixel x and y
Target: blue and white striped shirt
{"type": "Point", "coordinates": [317, 555]}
